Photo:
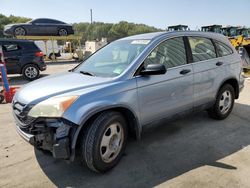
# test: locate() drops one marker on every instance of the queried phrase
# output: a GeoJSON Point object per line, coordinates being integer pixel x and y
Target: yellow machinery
{"type": "Point", "coordinates": [239, 37]}
{"type": "Point", "coordinates": [239, 41]}
{"type": "Point", "coordinates": [69, 39]}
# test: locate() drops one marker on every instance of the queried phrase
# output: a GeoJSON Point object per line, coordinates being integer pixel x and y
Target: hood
{"type": "Point", "coordinates": [57, 84]}
{"type": "Point", "coordinates": [11, 25]}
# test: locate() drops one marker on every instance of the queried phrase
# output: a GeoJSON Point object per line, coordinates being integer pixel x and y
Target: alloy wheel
{"type": "Point", "coordinates": [31, 72]}
{"type": "Point", "coordinates": [19, 31]}
{"type": "Point", "coordinates": [63, 32]}
{"type": "Point", "coordinates": [225, 102]}
{"type": "Point", "coordinates": [111, 142]}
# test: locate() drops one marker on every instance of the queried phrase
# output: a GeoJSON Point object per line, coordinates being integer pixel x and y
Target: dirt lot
{"type": "Point", "coordinates": [192, 152]}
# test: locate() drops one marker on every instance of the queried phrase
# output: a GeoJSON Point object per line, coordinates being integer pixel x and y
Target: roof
{"type": "Point", "coordinates": [229, 27]}
{"type": "Point", "coordinates": [211, 26]}
{"type": "Point", "coordinates": [242, 28]}
{"type": "Point", "coordinates": [145, 36]}
{"type": "Point", "coordinates": [47, 19]}
{"type": "Point", "coordinates": [174, 26]}
{"type": "Point", "coordinates": [151, 36]}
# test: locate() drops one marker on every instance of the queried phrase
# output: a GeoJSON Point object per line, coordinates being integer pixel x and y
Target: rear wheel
{"type": "Point", "coordinates": [224, 103]}
{"type": "Point", "coordinates": [30, 72]}
{"type": "Point", "coordinates": [19, 31]}
{"type": "Point", "coordinates": [105, 141]}
{"type": "Point", "coordinates": [62, 32]}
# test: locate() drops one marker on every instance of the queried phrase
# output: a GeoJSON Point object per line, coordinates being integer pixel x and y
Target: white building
{"type": "Point", "coordinates": [92, 46]}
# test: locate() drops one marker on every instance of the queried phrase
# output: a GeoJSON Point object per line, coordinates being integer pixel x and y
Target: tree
{"type": "Point", "coordinates": [97, 30]}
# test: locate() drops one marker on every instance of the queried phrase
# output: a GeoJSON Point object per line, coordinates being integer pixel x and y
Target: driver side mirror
{"type": "Point", "coordinates": [154, 69]}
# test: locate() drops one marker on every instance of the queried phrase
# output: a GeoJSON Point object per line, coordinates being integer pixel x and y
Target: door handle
{"type": "Point", "coordinates": [185, 71]}
{"type": "Point", "coordinates": [219, 63]}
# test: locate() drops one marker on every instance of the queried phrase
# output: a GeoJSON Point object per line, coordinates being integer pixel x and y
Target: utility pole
{"type": "Point", "coordinates": [91, 17]}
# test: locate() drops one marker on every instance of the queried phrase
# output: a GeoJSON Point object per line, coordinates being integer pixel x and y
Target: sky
{"type": "Point", "coordinates": [157, 13]}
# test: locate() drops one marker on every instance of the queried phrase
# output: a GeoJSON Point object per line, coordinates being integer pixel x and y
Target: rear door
{"type": "Point", "coordinates": [47, 26]}
{"type": "Point", "coordinates": [162, 96]}
{"type": "Point", "coordinates": [12, 55]}
{"type": "Point", "coordinates": [42, 27]}
{"type": "Point", "coordinates": [208, 70]}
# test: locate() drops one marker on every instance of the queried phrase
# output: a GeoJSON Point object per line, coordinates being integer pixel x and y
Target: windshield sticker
{"type": "Point", "coordinates": [140, 41]}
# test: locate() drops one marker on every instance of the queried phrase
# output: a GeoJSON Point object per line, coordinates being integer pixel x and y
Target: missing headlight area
{"type": "Point", "coordinates": [51, 135]}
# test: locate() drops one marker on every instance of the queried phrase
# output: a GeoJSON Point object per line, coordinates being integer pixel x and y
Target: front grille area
{"type": "Point", "coordinates": [20, 112]}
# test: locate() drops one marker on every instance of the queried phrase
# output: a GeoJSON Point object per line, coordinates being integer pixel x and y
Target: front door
{"type": "Point", "coordinates": [162, 96]}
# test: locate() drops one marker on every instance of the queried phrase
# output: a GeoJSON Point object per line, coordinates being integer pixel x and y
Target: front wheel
{"type": "Point", "coordinates": [224, 103]}
{"type": "Point", "coordinates": [19, 31]}
{"type": "Point", "coordinates": [105, 141]}
{"type": "Point", "coordinates": [30, 72]}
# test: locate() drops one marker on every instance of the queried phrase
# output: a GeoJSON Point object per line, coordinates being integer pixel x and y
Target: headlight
{"type": "Point", "coordinates": [52, 107]}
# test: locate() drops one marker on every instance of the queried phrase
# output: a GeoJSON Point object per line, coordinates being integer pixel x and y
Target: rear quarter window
{"type": "Point", "coordinates": [11, 47]}
{"type": "Point", "coordinates": [223, 49]}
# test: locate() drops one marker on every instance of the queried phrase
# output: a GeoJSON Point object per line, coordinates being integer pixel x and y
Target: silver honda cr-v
{"type": "Point", "coordinates": [128, 84]}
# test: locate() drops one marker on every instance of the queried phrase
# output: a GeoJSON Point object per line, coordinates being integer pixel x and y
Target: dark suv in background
{"type": "Point", "coordinates": [23, 57]}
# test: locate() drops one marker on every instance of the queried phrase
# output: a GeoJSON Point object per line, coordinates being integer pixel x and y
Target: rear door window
{"type": "Point", "coordinates": [202, 48]}
{"type": "Point", "coordinates": [223, 49]}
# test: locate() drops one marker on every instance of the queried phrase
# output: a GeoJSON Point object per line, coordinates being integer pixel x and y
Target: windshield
{"type": "Point", "coordinates": [31, 21]}
{"type": "Point", "coordinates": [113, 59]}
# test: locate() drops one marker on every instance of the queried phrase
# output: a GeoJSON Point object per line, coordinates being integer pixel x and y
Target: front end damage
{"type": "Point", "coordinates": [51, 134]}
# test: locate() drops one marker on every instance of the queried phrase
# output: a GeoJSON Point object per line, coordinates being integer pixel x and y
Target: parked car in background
{"type": "Point", "coordinates": [49, 48]}
{"type": "Point", "coordinates": [245, 58]}
{"type": "Point", "coordinates": [41, 26]}
{"type": "Point", "coordinates": [23, 57]}
{"type": "Point", "coordinates": [124, 87]}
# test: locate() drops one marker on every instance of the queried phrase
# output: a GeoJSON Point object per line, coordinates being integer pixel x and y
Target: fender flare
{"type": "Point", "coordinates": [137, 126]}
{"type": "Point", "coordinates": [228, 80]}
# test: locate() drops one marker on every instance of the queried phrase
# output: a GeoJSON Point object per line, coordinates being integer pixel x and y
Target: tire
{"type": "Point", "coordinates": [19, 31]}
{"type": "Point", "coordinates": [224, 103]}
{"type": "Point", "coordinates": [30, 72]}
{"type": "Point", "coordinates": [62, 32]}
{"type": "Point", "coordinates": [104, 141]}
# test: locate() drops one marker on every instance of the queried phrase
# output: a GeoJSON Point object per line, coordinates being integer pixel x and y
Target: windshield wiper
{"type": "Point", "coordinates": [87, 73]}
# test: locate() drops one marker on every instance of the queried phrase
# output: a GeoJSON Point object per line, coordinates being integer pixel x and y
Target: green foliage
{"type": "Point", "coordinates": [94, 31]}
{"type": "Point", "coordinates": [97, 30]}
{"type": "Point", "coordinates": [4, 20]}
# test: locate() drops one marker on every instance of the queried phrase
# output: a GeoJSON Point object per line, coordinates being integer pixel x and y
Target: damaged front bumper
{"type": "Point", "coordinates": [54, 135]}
